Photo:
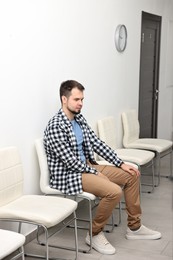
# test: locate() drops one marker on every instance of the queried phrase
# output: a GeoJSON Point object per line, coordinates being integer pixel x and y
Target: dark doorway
{"type": "Point", "coordinates": [149, 74]}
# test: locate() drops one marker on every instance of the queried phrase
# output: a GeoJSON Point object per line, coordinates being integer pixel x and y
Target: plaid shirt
{"type": "Point", "coordinates": [63, 157]}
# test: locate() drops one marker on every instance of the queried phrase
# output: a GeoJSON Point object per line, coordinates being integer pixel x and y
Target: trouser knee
{"type": "Point", "coordinates": [116, 193]}
{"type": "Point", "coordinates": [119, 192]}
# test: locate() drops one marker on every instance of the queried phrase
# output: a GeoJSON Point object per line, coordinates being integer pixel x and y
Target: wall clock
{"type": "Point", "coordinates": [120, 37]}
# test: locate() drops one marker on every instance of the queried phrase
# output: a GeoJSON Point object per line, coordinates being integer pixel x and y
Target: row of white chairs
{"type": "Point", "coordinates": [143, 152]}
{"type": "Point", "coordinates": [43, 211]}
{"type": "Point", "coordinates": [20, 208]}
{"type": "Point", "coordinates": [30, 209]}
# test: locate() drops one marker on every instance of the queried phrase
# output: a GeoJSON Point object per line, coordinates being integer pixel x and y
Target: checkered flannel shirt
{"type": "Point", "coordinates": [63, 157]}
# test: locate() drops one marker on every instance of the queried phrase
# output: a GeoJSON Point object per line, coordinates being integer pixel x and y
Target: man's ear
{"type": "Point", "coordinates": [64, 99]}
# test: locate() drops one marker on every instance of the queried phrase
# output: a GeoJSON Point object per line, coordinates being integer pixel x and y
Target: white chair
{"type": "Point", "coordinates": [11, 242]}
{"type": "Point", "coordinates": [132, 140]}
{"type": "Point", "coordinates": [107, 133]}
{"type": "Point", "coordinates": [39, 210]}
{"type": "Point", "coordinates": [47, 190]}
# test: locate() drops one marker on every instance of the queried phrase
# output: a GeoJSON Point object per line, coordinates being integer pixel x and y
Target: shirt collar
{"type": "Point", "coordinates": [79, 118]}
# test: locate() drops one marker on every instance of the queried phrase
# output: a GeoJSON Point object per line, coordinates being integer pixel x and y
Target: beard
{"type": "Point", "coordinates": [73, 111]}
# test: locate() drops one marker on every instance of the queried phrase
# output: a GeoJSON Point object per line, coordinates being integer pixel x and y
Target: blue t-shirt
{"type": "Point", "coordinates": [79, 136]}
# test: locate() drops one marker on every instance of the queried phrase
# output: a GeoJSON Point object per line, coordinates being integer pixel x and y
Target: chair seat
{"type": "Point", "coordinates": [32, 208]}
{"type": "Point", "coordinates": [50, 191]}
{"type": "Point", "coordinates": [152, 144]}
{"type": "Point", "coordinates": [137, 156]}
{"type": "Point", "coordinates": [87, 195]}
{"type": "Point", "coordinates": [9, 242]}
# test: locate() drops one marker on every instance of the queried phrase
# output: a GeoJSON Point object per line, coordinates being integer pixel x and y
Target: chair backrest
{"type": "Point", "coordinates": [11, 175]}
{"type": "Point", "coordinates": [44, 171]}
{"type": "Point", "coordinates": [130, 127]}
{"type": "Point", "coordinates": [106, 131]}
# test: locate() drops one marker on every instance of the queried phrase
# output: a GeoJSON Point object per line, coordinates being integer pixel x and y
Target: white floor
{"type": "Point", "coordinates": [157, 214]}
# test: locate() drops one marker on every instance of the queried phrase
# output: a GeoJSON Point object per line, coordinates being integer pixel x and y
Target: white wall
{"type": "Point", "coordinates": [166, 75]}
{"type": "Point", "coordinates": [44, 42]}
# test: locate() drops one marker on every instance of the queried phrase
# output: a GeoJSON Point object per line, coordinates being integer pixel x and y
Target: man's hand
{"type": "Point", "coordinates": [130, 169]}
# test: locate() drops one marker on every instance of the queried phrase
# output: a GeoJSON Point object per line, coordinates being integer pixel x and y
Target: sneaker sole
{"type": "Point", "coordinates": [98, 249]}
{"type": "Point", "coordinates": [143, 237]}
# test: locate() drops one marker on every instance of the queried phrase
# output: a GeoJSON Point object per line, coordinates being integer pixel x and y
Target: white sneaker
{"type": "Point", "coordinates": [143, 233]}
{"type": "Point", "coordinates": [101, 244]}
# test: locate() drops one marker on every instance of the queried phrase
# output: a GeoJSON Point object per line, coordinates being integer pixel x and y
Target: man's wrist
{"type": "Point", "coordinates": [121, 164]}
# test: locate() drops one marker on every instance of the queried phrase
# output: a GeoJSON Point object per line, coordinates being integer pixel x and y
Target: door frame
{"type": "Point", "coordinates": [152, 17]}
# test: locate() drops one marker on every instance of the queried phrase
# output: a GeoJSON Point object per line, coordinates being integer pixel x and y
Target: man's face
{"type": "Point", "coordinates": [74, 102]}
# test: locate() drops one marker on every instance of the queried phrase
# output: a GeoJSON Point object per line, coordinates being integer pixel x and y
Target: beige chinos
{"type": "Point", "coordinates": [110, 192]}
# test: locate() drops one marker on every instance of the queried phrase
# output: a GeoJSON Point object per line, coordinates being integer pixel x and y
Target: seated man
{"type": "Point", "coordinates": [70, 145]}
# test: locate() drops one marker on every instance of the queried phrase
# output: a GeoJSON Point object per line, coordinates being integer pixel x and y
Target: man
{"type": "Point", "coordinates": [70, 145]}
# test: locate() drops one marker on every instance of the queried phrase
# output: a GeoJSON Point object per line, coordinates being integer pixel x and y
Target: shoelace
{"type": "Point", "coordinates": [103, 238]}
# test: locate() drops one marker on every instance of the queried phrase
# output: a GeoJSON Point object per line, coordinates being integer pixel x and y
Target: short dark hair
{"type": "Point", "coordinates": [67, 86]}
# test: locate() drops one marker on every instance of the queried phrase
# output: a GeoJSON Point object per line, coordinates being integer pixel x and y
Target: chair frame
{"type": "Point", "coordinates": [46, 235]}
{"type": "Point", "coordinates": [157, 163]}
{"type": "Point", "coordinates": [158, 155]}
{"type": "Point", "coordinates": [90, 198]}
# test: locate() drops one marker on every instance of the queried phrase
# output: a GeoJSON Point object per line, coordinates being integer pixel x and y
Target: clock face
{"type": "Point", "coordinates": [121, 37]}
